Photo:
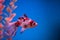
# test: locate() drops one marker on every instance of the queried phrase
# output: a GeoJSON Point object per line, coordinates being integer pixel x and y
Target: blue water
{"type": "Point", "coordinates": [46, 13]}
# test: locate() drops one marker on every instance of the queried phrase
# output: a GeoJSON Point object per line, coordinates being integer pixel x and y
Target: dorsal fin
{"type": "Point", "coordinates": [25, 15]}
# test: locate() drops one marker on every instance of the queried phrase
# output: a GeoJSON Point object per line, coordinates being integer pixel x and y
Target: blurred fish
{"type": "Point", "coordinates": [1, 1]}
{"type": "Point", "coordinates": [12, 5]}
{"type": "Point", "coordinates": [9, 9]}
{"type": "Point", "coordinates": [1, 7]}
{"type": "Point", "coordinates": [14, 0]}
{"type": "Point", "coordinates": [9, 19]}
{"type": "Point", "coordinates": [26, 22]}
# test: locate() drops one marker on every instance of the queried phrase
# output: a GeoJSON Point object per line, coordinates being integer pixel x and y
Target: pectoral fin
{"type": "Point", "coordinates": [23, 29]}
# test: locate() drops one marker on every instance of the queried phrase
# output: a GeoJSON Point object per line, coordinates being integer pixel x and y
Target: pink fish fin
{"type": "Point", "coordinates": [8, 9]}
{"type": "Point", "coordinates": [1, 1]}
{"type": "Point", "coordinates": [23, 29]}
{"type": "Point", "coordinates": [25, 15]}
{"type": "Point", "coordinates": [14, 7]}
{"type": "Point", "coordinates": [5, 22]}
{"type": "Point", "coordinates": [12, 4]}
{"type": "Point", "coordinates": [9, 19]}
{"type": "Point", "coordinates": [13, 15]}
{"type": "Point", "coordinates": [3, 7]}
{"type": "Point", "coordinates": [14, 0]}
{"type": "Point", "coordinates": [11, 23]}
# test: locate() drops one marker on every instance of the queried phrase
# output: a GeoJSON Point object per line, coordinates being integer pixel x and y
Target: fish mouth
{"type": "Point", "coordinates": [33, 25]}
{"type": "Point", "coordinates": [36, 24]}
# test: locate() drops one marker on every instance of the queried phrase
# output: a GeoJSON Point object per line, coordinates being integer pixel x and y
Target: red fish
{"type": "Point", "coordinates": [26, 22]}
{"type": "Point", "coordinates": [1, 7]}
{"type": "Point", "coordinates": [9, 9]}
{"type": "Point", "coordinates": [9, 19]}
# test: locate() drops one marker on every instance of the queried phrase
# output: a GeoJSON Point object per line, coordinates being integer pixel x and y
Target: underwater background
{"type": "Point", "coordinates": [45, 12]}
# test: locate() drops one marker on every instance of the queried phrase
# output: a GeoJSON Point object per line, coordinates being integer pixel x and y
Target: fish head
{"type": "Point", "coordinates": [32, 24]}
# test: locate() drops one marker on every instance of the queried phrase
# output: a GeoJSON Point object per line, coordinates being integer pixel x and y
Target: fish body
{"type": "Point", "coordinates": [26, 22]}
